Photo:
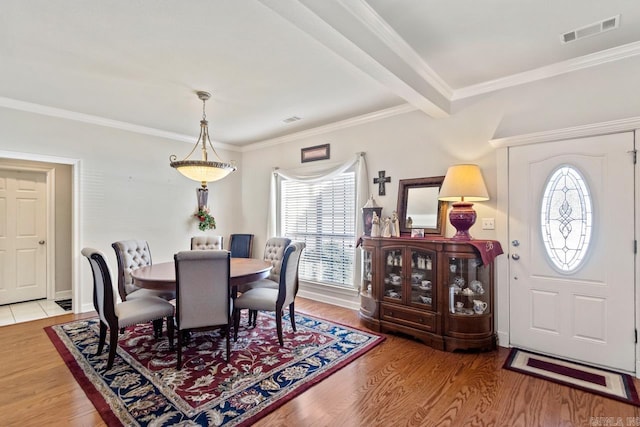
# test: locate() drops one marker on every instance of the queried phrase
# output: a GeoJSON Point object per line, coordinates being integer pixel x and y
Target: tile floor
{"type": "Point", "coordinates": [31, 310]}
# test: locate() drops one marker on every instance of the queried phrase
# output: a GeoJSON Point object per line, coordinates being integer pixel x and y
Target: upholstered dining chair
{"type": "Point", "coordinates": [273, 252]}
{"type": "Point", "coordinates": [269, 299]}
{"type": "Point", "coordinates": [206, 242]}
{"type": "Point", "coordinates": [203, 298]}
{"type": "Point", "coordinates": [132, 254]}
{"type": "Point", "coordinates": [241, 245]}
{"type": "Point", "coordinates": [116, 316]}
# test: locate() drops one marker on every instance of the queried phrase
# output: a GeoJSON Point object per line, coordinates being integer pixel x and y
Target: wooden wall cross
{"type": "Point", "coordinates": [381, 180]}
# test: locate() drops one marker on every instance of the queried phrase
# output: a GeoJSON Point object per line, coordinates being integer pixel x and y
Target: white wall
{"type": "Point", "coordinates": [413, 145]}
{"type": "Point", "coordinates": [127, 189]}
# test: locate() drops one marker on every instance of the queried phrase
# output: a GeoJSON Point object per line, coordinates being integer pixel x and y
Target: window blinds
{"type": "Point", "coordinates": [322, 214]}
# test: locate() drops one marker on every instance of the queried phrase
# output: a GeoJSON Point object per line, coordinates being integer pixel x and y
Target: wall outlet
{"type": "Point", "coordinates": [488, 224]}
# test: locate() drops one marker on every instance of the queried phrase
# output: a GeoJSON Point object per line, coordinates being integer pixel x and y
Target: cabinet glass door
{"type": "Point", "coordinates": [393, 276]}
{"type": "Point", "coordinates": [469, 287]}
{"type": "Point", "coordinates": [422, 278]}
{"type": "Point", "coordinates": [367, 272]}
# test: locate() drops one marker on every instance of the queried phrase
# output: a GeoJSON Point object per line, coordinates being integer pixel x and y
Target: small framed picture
{"type": "Point", "coordinates": [417, 232]}
{"type": "Point", "coordinates": [317, 152]}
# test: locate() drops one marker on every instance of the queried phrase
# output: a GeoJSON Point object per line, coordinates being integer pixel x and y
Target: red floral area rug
{"type": "Point", "coordinates": [595, 380]}
{"type": "Point", "coordinates": [143, 387]}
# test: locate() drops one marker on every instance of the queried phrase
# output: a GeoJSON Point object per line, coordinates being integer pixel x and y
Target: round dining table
{"type": "Point", "coordinates": [162, 276]}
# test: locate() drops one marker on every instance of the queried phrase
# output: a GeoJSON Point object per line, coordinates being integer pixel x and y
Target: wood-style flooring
{"type": "Point", "coordinates": [399, 383]}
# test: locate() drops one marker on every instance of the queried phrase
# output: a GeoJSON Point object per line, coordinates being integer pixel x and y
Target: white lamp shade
{"type": "Point", "coordinates": [203, 171]}
{"type": "Point", "coordinates": [463, 182]}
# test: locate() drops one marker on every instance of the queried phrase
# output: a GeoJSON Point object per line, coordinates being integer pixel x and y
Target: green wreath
{"type": "Point", "coordinates": [206, 221]}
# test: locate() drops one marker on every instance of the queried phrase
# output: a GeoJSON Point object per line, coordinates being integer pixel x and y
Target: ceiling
{"type": "Point", "coordinates": [136, 64]}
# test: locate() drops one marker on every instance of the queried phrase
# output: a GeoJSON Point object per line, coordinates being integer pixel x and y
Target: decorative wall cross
{"type": "Point", "coordinates": [381, 180]}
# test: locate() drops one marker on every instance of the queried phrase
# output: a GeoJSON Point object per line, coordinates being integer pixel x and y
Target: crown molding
{"type": "Point", "coordinates": [602, 128]}
{"type": "Point", "coordinates": [568, 66]}
{"type": "Point", "coordinates": [332, 127]}
{"type": "Point", "coordinates": [100, 121]}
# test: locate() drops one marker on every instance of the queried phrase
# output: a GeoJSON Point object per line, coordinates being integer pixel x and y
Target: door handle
{"type": "Point", "coordinates": [515, 257]}
{"type": "Point", "coordinates": [41, 242]}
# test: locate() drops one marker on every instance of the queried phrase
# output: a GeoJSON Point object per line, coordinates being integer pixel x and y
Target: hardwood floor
{"type": "Point", "coordinates": [399, 383]}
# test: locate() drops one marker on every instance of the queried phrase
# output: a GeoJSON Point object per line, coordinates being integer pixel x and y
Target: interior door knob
{"type": "Point", "coordinates": [41, 242]}
{"type": "Point", "coordinates": [515, 257]}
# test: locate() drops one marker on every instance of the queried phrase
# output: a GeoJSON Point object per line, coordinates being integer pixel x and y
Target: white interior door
{"type": "Point", "coordinates": [22, 236]}
{"type": "Point", "coordinates": [573, 304]}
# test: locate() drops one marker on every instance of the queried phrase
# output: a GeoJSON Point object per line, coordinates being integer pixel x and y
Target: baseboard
{"type": "Point", "coordinates": [349, 300]}
{"type": "Point", "coordinates": [503, 339]}
{"type": "Point", "coordinates": [63, 295]}
{"type": "Point", "coordinates": [85, 308]}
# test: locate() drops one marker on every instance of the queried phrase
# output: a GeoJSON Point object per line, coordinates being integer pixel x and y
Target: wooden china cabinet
{"type": "Point", "coordinates": [437, 290]}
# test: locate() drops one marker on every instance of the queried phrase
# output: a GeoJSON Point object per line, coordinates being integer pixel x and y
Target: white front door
{"type": "Point", "coordinates": [563, 301]}
{"type": "Point", "coordinates": [22, 236]}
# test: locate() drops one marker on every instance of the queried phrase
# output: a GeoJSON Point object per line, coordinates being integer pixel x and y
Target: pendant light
{"type": "Point", "coordinates": [203, 170]}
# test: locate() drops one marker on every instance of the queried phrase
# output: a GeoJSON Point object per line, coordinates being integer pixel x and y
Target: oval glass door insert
{"type": "Point", "coordinates": [566, 218]}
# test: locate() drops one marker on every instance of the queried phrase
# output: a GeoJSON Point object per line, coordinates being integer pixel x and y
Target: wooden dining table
{"type": "Point", "coordinates": [162, 276]}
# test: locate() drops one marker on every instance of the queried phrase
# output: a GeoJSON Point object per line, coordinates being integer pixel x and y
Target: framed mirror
{"type": "Point", "coordinates": [418, 200]}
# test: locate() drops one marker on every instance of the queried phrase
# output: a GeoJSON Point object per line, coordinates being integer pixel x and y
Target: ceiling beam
{"type": "Point", "coordinates": [356, 33]}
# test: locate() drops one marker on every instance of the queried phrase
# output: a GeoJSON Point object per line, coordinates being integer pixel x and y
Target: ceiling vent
{"type": "Point", "coordinates": [592, 29]}
{"type": "Point", "coordinates": [291, 119]}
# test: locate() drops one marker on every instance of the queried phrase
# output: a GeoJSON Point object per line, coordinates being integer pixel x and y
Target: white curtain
{"type": "Point", "coordinates": [362, 194]}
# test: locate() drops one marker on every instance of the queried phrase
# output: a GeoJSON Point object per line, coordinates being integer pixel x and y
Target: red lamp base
{"type": "Point", "coordinates": [462, 217]}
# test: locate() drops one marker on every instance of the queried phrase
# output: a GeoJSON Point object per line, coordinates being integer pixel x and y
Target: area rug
{"type": "Point", "coordinates": [65, 304]}
{"type": "Point", "coordinates": [595, 380]}
{"type": "Point", "coordinates": [143, 388]}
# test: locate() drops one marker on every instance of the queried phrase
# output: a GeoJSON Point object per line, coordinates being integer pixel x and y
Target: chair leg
{"type": "Point", "coordinates": [250, 317]}
{"type": "Point", "coordinates": [253, 318]}
{"type": "Point", "coordinates": [157, 328]}
{"type": "Point", "coordinates": [179, 349]}
{"type": "Point", "coordinates": [170, 331]}
{"type": "Point", "coordinates": [279, 326]}
{"type": "Point", "coordinates": [236, 323]}
{"type": "Point", "coordinates": [113, 345]}
{"type": "Point", "coordinates": [292, 316]}
{"type": "Point", "coordinates": [103, 338]}
{"type": "Point", "coordinates": [228, 332]}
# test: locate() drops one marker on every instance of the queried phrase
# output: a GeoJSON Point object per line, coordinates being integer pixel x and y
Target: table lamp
{"type": "Point", "coordinates": [462, 185]}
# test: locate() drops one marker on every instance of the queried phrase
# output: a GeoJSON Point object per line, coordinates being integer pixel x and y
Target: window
{"type": "Point", "coordinates": [322, 214]}
{"type": "Point", "coordinates": [566, 218]}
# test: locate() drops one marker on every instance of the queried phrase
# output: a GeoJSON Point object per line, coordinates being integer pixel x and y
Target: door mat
{"type": "Point", "coordinates": [143, 388]}
{"type": "Point", "coordinates": [587, 378]}
{"type": "Point", "coordinates": [65, 304]}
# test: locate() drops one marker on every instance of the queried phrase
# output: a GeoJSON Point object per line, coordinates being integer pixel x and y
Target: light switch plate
{"type": "Point", "coordinates": [488, 224]}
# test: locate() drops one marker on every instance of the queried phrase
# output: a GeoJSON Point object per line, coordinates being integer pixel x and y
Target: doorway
{"type": "Point", "coordinates": [62, 210]}
{"type": "Point", "coordinates": [23, 236]}
{"type": "Point", "coordinates": [572, 242]}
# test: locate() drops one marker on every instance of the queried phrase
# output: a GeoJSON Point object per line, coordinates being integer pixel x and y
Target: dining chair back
{"type": "Point", "coordinates": [269, 299]}
{"type": "Point", "coordinates": [206, 243]}
{"type": "Point", "coordinates": [203, 298]}
{"type": "Point", "coordinates": [274, 253]}
{"type": "Point", "coordinates": [132, 254]}
{"type": "Point", "coordinates": [115, 316]}
{"type": "Point", "coordinates": [241, 245]}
